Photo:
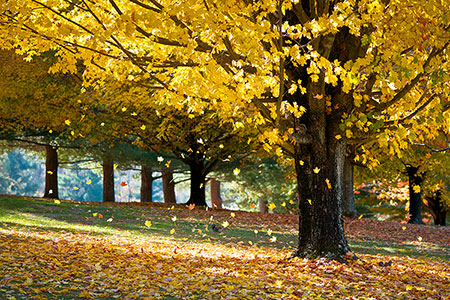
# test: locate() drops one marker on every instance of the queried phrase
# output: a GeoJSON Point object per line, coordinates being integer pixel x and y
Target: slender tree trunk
{"type": "Point", "coordinates": [435, 206]}
{"type": "Point", "coordinates": [348, 200]}
{"type": "Point", "coordinates": [168, 186]}
{"type": "Point", "coordinates": [198, 180]}
{"type": "Point", "coordinates": [415, 199]}
{"type": "Point", "coordinates": [146, 184]}
{"type": "Point", "coordinates": [216, 200]}
{"type": "Point", "coordinates": [263, 206]}
{"type": "Point", "coordinates": [108, 181]}
{"type": "Point", "coordinates": [51, 172]}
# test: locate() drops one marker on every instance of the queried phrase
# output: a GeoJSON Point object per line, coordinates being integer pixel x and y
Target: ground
{"type": "Point", "coordinates": [78, 250]}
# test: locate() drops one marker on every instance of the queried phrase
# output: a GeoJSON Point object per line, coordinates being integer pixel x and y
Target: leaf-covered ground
{"type": "Point", "coordinates": [72, 250]}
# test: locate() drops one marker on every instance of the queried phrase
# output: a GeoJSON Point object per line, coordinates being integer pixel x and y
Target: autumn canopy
{"type": "Point", "coordinates": [313, 76]}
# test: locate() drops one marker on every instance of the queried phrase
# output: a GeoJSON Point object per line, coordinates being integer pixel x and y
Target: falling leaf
{"type": "Point", "coordinates": [225, 224]}
{"type": "Point", "coordinates": [160, 158]}
{"type": "Point", "coordinates": [123, 183]}
{"type": "Point", "coordinates": [338, 137]}
{"type": "Point", "coordinates": [271, 206]}
{"type": "Point", "coordinates": [109, 220]}
{"type": "Point", "coordinates": [192, 206]}
{"type": "Point", "coordinates": [67, 122]}
{"type": "Point", "coordinates": [309, 201]}
{"type": "Point", "coordinates": [221, 146]}
{"type": "Point", "coordinates": [94, 214]}
{"type": "Point", "coordinates": [419, 238]}
{"type": "Point", "coordinates": [102, 124]}
{"type": "Point", "coordinates": [172, 231]}
{"type": "Point", "coordinates": [232, 214]}
{"type": "Point", "coordinates": [256, 231]}
{"type": "Point", "coordinates": [115, 166]}
{"type": "Point", "coordinates": [301, 163]}
{"type": "Point", "coordinates": [416, 189]}
{"type": "Point", "coordinates": [174, 218]}
{"type": "Point", "coordinates": [57, 202]}
{"type": "Point", "coordinates": [269, 232]}
{"type": "Point", "coordinates": [124, 109]}
{"type": "Point", "coordinates": [75, 188]}
{"type": "Point", "coordinates": [143, 127]}
{"type": "Point", "coordinates": [200, 231]}
{"type": "Point", "coordinates": [148, 223]}
{"type": "Point", "coordinates": [283, 204]}
{"type": "Point", "coordinates": [328, 183]}
{"type": "Point", "coordinates": [100, 216]}
{"type": "Point", "coordinates": [273, 239]}
{"type": "Point", "coordinates": [403, 228]}
{"type": "Point", "coordinates": [316, 170]}
{"type": "Point", "coordinates": [168, 164]}
{"type": "Point", "coordinates": [88, 181]}
{"type": "Point", "coordinates": [236, 172]}
{"type": "Point", "coordinates": [360, 217]}
{"type": "Point", "coordinates": [50, 172]}
{"type": "Point", "coordinates": [291, 201]}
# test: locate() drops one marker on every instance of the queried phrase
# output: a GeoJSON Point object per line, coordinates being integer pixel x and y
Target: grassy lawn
{"type": "Point", "coordinates": [79, 250]}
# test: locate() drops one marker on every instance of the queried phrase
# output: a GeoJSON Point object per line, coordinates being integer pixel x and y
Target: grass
{"type": "Point", "coordinates": [82, 250]}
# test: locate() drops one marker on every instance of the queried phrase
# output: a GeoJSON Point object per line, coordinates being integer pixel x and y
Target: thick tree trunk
{"type": "Point", "coordinates": [415, 199]}
{"type": "Point", "coordinates": [216, 200]}
{"type": "Point", "coordinates": [168, 186]}
{"type": "Point", "coordinates": [146, 184]}
{"type": "Point", "coordinates": [263, 206]}
{"type": "Point", "coordinates": [198, 179]}
{"type": "Point", "coordinates": [51, 172]}
{"type": "Point", "coordinates": [321, 230]}
{"type": "Point", "coordinates": [108, 181]}
{"type": "Point", "coordinates": [435, 206]}
{"type": "Point", "coordinates": [348, 200]}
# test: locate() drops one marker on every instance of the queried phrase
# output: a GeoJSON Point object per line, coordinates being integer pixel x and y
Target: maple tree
{"type": "Point", "coordinates": [316, 74]}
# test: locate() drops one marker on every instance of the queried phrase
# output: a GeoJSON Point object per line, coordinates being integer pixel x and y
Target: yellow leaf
{"type": "Point", "coordinates": [67, 122]}
{"type": "Point", "coordinates": [143, 127]}
{"type": "Point", "coordinates": [75, 188]}
{"type": "Point", "coordinates": [272, 206]}
{"type": "Point", "coordinates": [172, 231]}
{"type": "Point", "coordinates": [88, 181]}
{"type": "Point", "coordinates": [328, 183]}
{"type": "Point", "coordinates": [124, 109]}
{"type": "Point", "coordinates": [232, 215]}
{"type": "Point", "coordinates": [236, 171]}
{"type": "Point", "coordinates": [283, 204]}
{"type": "Point", "coordinates": [269, 232]}
{"type": "Point", "coordinates": [403, 228]}
{"type": "Point", "coordinates": [225, 224]}
{"type": "Point", "coordinates": [50, 172]}
{"type": "Point", "coordinates": [273, 239]}
{"type": "Point", "coordinates": [338, 137]}
{"type": "Point", "coordinates": [416, 189]}
{"type": "Point", "coordinates": [57, 202]}
{"type": "Point", "coordinates": [408, 287]}
{"type": "Point", "coordinates": [168, 164]}
{"type": "Point", "coordinates": [174, 218]}
{"type": "Point", "coordinates": [316, 170]}
{"type": "Point", "coordinates": [200, 231]}
{"type": "Point", "coordinates": [148, 223]}
{"type": "Point", "coordinates": [309, 201]}
{"type": "Point", "coordinates": [94, 214]}
{"type": "Point", "coordinates": [419, 238]}
{"type": "Point", "coordinates": [250, 242]}
{"type": "Point", "coordinates": [301, 163]}
{"type": "Point", "coordinates": [360, 216]}
{"type": "Point", "coordinates": [291, 201]}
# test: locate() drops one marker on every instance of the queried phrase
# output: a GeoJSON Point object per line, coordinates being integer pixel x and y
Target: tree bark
{"type": "Point", "coordinates": [198, 180]}
{"type": "Point", "coordinates": [51, 173]}
{"type": "Point", "coordinates": [321, 230]}
{"type": "Point", "coordinates": [168, 186]}
{"type": "Point", "coordinates": [348, 200]}
{"type": "Point", "coordinates": [146, 184]}
{"type": "Point", "coordinates": [435, 206]}
{"type": "Point", "coordinates": [108, 181]}
{"type": "Point", "coordinates": [415, 199]}
{"type": "Point", "coordinates": [216, 199]}
{"type": "Point", "coordinates": [263, 206]}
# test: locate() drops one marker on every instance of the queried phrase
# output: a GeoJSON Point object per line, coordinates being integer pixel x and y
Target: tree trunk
{"type": "Point", "coordinates": [146, 184]}
{"type": "Point", "coordinates": [168, 186]}
{"type": "Point", "coordinates": [108, 181]}
{"type": "Point", "coordinates": [216, 200]}
{"type": "Point", "coordinates": [263, 206]}
{"type": "Point", "coordinates": [435, 206]}
{"type": "Point", "coordinates": [321, 230]}
{"type": "Point", "coordinates": [415, 199]}
{"type": "Point", "coordinates": [51, 172]}
{"type": "Point", "coordinates": [198, 179]}
{"type": "Point", "coordinates": [348, 200]}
